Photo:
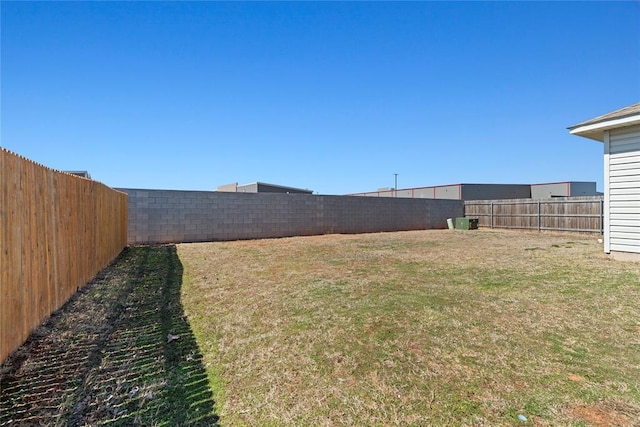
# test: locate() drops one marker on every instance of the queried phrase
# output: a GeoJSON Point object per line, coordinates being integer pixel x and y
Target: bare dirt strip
{"type": "Point", "coordinates": [120, 352]}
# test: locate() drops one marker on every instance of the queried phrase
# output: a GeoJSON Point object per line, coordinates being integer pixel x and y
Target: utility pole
{"type": "Point", "coordinates": [395, 192]}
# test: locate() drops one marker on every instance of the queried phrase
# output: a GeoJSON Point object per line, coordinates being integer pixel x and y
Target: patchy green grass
{"type": "Point", "coordinates": [417, 328]}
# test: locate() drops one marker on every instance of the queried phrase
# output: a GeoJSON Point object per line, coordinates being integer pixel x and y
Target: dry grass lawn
{"type": "Point", "coordinates": [417, 328]}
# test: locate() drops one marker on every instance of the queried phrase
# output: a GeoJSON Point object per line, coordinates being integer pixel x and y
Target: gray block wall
{"type": "Point", "coordinates": [170, 216]}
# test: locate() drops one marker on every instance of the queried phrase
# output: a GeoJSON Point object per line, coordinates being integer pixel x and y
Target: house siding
{"type": "Point", "coordinates": [623, 189]}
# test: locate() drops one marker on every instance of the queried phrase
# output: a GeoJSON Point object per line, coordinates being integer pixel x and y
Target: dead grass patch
{"type": "Point", "coordinates": [576, 378]}
{"type": "Point", "coordinates": [606, 414]}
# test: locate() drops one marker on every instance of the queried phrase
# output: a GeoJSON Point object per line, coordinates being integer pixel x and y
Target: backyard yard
{"type": "Point", "coordinates": [419, 328]}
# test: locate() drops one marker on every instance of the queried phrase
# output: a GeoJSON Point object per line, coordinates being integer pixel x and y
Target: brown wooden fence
{"type": "Point", "coordinates": [57, 231]}
{"type": "Point", "coordinates": [583, 214]}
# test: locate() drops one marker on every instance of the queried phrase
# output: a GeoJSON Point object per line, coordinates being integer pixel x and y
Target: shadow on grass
{"type": "Point", "coordinates": [120, 352]}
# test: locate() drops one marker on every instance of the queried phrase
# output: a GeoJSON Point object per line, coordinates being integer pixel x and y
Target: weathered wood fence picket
{"type": "Point", "coordinates": [585, 213]}
{"type": "Point", "coordinates": [57, 231]}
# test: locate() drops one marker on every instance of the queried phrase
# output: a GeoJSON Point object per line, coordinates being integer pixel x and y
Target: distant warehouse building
{"type": "Point", "coordinates": [261, 187]}
{"type": "Point", "coordinates": [620, 133]}
{"type": "Point", "coordinates": [563, 189]}
{"type": "Point", "coordinates": [456, 192]}
{"type": "Point", "coordinates": [490, 191]}
{"type": "Point", "coordinates": [83, 174]}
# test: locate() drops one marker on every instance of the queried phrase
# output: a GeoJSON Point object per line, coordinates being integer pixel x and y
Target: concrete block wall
{"type": "Point", "coordinates": [169, 216]}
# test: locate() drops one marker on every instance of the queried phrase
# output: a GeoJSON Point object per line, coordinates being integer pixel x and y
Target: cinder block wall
{"type": "Point", "coordinates": [169, 216]}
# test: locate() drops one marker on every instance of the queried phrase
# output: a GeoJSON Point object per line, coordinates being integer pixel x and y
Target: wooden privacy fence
{"type": "Point", "coordinates": [57, 231]}
{"type": "Point", "coordinates": [562, 214]}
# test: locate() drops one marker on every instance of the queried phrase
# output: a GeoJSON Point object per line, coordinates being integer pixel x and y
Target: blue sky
{"type": "Point", "coordinates": [333, 97]}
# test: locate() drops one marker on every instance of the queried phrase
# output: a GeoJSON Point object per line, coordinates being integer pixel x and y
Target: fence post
{"type": "Point", "coordinates": [602, 216]}
{"type": "Point", "coordinates": [539, 225]}
{"type": "Point", "coordinates": [491, 215]}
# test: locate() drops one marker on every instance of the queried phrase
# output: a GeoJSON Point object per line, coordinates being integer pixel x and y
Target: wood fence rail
{"type": "Point", "coordinates": [57, 231]}
{"type": "Point", "coordinates": [585, 214]}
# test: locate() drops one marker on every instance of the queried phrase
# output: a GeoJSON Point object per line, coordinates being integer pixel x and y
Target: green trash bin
{"type": "Point", "coordinates": [463, 223]}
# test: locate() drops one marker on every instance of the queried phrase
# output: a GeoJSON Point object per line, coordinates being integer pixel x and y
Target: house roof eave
{"type": "Point", "coordinates": [595, 130]}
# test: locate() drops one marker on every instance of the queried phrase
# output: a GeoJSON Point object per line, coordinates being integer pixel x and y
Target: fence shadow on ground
{"type": "Point", "coordinates": [120, 352]}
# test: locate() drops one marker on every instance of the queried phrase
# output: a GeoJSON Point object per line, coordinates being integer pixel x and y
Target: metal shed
{"type": "Point", "coordinates": [620, 133]}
